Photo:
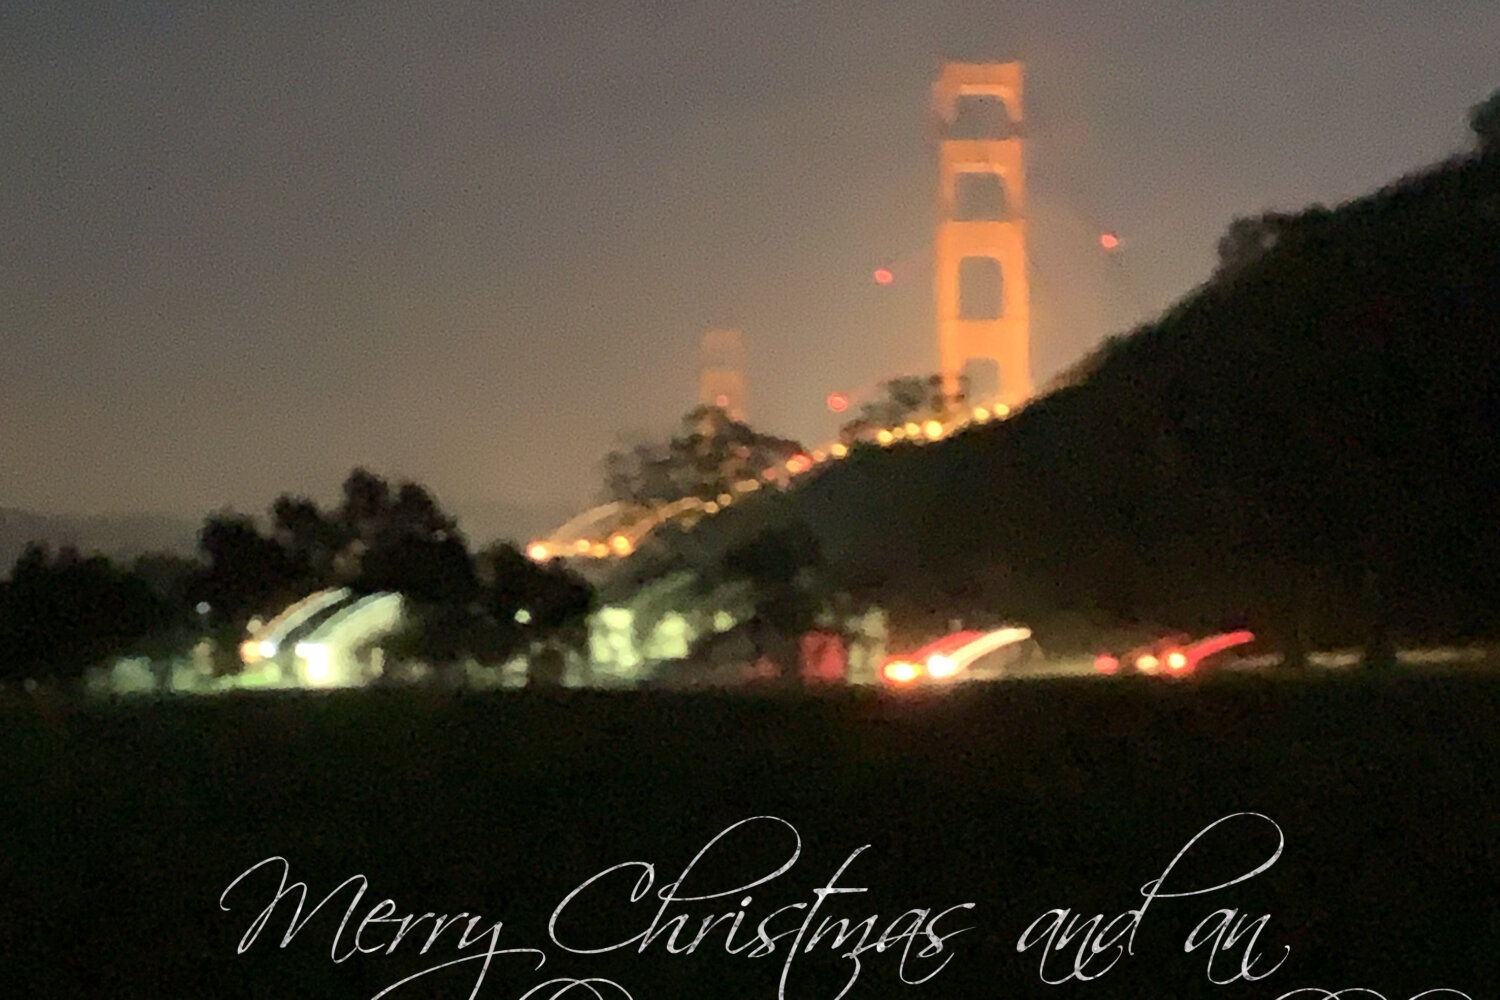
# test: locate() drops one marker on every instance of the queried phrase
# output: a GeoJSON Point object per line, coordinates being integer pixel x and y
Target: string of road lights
{"type": "Point", "coordinates": [623, 541]}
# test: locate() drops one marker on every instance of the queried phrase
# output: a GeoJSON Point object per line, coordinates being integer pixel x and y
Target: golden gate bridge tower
{"type": "Point", "coordinates": [980, 262]}
{"type": "Point", "coordinates": [721, 372]}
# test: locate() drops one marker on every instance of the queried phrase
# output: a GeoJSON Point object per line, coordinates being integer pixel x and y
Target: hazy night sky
{"type": "Point", "coordinates": [248, 246]}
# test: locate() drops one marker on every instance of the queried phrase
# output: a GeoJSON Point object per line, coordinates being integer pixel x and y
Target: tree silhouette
{"type": "Point", "coordinates": [778, 562]}
{"type": "Point", "coordinates": [247, 573]}
{"type": "Point", "coordinates": [1249, 238]}
{"type": "Point", "coordinates": [312, 539]}
{"type": "Point", "coordinates": [903, 400]}
{"type": "Point", "coordinates": [61, 615]}
{"type": "Point", "coordinates": [707, 455]}
{"type": "Point", "coordinates": [366, 501]}
{"type": "Point", "coordinates": [528, 602]}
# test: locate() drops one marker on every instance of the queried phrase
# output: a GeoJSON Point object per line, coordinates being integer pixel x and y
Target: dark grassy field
{"type": "Point", "coordinates": [125, 823]}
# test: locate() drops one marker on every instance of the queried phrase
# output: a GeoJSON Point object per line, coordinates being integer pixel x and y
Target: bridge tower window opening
{"type": "Point", "coordinates": [981, 289]}
{"type": "Point", "coordinates": [981, 117]}
{"type": "Point", "coordinates": [980, 197]}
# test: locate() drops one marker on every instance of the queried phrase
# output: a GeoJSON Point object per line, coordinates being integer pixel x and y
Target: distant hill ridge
{"type": "Point", "coordinates": [125, 536]}
{"type": "Point", "coordinates": [119, 536]}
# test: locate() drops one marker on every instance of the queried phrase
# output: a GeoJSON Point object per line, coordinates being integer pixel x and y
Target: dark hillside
{"type": "Point", "coordinates": [1310, 435]}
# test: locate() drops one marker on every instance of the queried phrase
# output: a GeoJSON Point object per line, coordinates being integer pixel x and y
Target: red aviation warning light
{"type": "Point", "coordinates": [838, 402]}
{"type": "Point", "coordinates": [1109, 241]}
{"type": "Point", "coordinates": [884, 276]}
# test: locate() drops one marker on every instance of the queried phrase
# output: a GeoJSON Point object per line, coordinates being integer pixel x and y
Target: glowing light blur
{"type": "Point", "coordinates": [838, 402]}
{"type": "Point", "coordinates": [941, 666]}
{"type": "Point", "coordinates": [1176, 660]}
{"type": "Point", "coordinates": [621, 545]}
{"type": "Point", "coordinates": [900, 672]}
{"type": "Point", "coordinates": [538, 552]}
{"type": "Point", "coordinates": [318, 660]}
{"type": "Point", "coordinates": [883, 276]}
{"type": "Point", "coordinates": [933, 429]}
{"type": "Point", "coordinates": [1109, 241]}
{"type": "Point", "coordinates": [1219, 643]}
{"type": "Point", "coordinates": [949, 657]}
{"type": "Point", "coordinates": [1147, 663]}
{"type": "Point", "coordinates": [885, 436]}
